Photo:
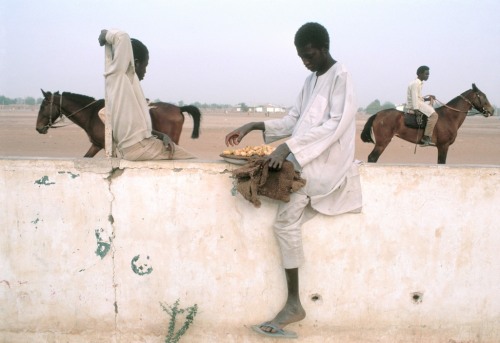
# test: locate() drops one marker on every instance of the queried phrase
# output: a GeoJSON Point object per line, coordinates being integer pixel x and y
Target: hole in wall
{"type": "Point", "coordinates": [316, 297]}
{"type": "Point", "coordinates": [417, 297]}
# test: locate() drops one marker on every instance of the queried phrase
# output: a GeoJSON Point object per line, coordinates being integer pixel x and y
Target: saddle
{"type": "Point", "coordinates": [414, 119]}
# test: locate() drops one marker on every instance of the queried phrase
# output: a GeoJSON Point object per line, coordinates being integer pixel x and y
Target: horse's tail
{"type": "Point", "coordinates": [196, 115]}
{"type": "Point", "coordinates": [366, 134]}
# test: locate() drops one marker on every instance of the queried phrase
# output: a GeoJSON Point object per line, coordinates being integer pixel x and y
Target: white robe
{"type": "Point", "coordinates": [125, 99]}
{"type": "Point", "coordinates": [322, 126]}
{"type": "Point", "coordinates": [415, 100]}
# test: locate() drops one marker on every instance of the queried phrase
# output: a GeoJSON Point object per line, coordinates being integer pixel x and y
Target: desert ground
{"type": "Point", "coordinates": [478, 140]}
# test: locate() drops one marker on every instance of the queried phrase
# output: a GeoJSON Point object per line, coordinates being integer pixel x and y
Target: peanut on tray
{"type": "Point", "coordinates": [248, 151]}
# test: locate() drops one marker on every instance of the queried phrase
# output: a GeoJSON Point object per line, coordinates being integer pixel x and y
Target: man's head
{"type": "Point", "coordinates": [141, 57]}
{"type": "Point", "coordinates": [313, 43]}
{"type": "Point", "coordinates": [423, 73]}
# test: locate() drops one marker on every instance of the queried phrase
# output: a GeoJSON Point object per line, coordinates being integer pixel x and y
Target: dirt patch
{"type": "Point", "coordinates": [478, 140]}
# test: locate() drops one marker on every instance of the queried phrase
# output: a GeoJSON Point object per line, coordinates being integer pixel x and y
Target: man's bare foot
{"type": "Point", "coordinates": [291, 313]}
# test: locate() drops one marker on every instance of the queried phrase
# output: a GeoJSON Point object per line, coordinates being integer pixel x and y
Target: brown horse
{"type": "Point", "coordinates": [382, 126]}
{"type": "Point", "coordinates": [83, 111]}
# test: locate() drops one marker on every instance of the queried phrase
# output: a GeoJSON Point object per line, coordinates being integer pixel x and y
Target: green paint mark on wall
{"type": "Point", "coordinates": [140, 268]}
{"type": "Point", "coordinates": [102, 246]}
{"type": "Point", "coordinates": [73, 176]}
{"type": "Point", "coordinates": [44, 181]}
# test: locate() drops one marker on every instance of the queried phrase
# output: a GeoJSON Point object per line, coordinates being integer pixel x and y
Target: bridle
{"type": "Point", "coordinates": [472, 105]}
{"type": "Point", "coordinates": [60, 113]}
{"type": "Point", "coordinates": [479, 107]}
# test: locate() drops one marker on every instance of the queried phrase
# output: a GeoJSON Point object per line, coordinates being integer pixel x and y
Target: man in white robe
{"type": "Point", "coordinates": [415, 101]}
{"type": "Point", "coordinates": [322, 129]}
{"type": "Point", "coordinates": [125, 100]}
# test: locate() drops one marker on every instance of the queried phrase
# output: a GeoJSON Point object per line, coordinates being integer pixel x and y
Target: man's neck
{"type": "Point", "coordinates": [329, 63]}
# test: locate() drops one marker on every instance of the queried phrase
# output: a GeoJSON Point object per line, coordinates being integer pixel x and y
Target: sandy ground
{"type": "Point", "coordinates": [478, 140]}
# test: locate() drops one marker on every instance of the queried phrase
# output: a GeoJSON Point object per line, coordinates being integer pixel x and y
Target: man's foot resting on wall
{"type": "Point", "coordinates": [291, 313]}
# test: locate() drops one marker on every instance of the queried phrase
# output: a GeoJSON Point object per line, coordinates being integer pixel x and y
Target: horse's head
{"type": "Point", "coordinates": [49, 112]}
{"type": "Point", "coordinates": [479, 101]}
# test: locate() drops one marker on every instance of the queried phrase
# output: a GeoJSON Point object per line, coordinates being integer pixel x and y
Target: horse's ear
{"type": "Point", "coordinates": [474, 88]}
{"type": "Point", "coordinates": [45, 94]}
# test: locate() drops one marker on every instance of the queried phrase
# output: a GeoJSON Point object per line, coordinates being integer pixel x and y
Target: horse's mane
{"type": "Point", "coordinates": [84, 99]}
{"type": "Point", "coordinates": [78, 97]}
{"type": "Point", "coordinates": [458, 97]}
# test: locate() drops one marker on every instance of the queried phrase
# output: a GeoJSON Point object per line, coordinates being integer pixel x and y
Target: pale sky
{"type": "Point", "coordinates": [232, 51]}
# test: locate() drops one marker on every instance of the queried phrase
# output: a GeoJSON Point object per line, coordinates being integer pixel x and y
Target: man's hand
{"type": "Point", "coordinates": [170, 145]}
{"type": "Point", "coordinates": [102, 37]}
{"type": "Point", "coordinates": [167, 141]}
{"type": "Point", "coordinates": [234, 138]}
{"type": "Point", "coordinates": [278, 156]}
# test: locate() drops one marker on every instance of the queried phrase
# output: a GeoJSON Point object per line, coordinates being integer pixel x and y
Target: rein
{"type": "Point", "coordinates": [50, 124]}
{"type": "Point", "coordinates": [469, 102]}
{"type": "Point", "coordinates": [454, 109]}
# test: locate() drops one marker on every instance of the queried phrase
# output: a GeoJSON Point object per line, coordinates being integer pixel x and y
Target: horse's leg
{"type": "Point", "coordinates": [384, 128]}
{"type": "Point", "coordinates": [377, 151]}
{"type": "Point", "coordinates": [442, 153]}
{"type": "Point", "coordinates": [94, 149]}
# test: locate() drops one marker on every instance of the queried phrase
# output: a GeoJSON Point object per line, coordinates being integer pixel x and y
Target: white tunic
{"type": "Point", "coordinates": [414, 99]}
{"type": "Point", "coordinates": [125, 99]}
{"type": "Point", "coordinates": [322, 126]}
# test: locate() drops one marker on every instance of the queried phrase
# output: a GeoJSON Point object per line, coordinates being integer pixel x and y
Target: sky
{"type": "Point", "coordinates": [234, 51]}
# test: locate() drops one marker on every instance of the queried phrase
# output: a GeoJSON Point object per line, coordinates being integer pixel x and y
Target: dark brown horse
{"type": "Point", "coordinates": [382, 126]}
{"type": "Point", "coordinates": [83, 111]}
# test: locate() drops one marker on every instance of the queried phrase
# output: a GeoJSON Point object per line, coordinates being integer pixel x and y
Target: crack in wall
{"type": "Point", "coordinates": [114, 173]}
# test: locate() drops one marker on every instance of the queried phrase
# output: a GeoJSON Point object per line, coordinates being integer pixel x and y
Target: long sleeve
{"type": "Point", "coordinates": [415, 96]}
{"type": "Point", "coordinates": [119, 54]}
{"type": "Point", "coordinates": [277, 129]}
{"type": "Point", "coordinates": [312, 143]}
{"type": "Point", "coordinates": [125, 100]}
{"type": "Point", "coordinates": [322, 125]}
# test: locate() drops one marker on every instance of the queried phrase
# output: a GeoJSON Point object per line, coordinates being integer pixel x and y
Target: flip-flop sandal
{"type": "Point", "coordinates": [279, 333]}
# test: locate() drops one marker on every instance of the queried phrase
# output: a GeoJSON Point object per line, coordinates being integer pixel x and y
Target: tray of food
{"type": "Point", "coordinates": [241, 156]}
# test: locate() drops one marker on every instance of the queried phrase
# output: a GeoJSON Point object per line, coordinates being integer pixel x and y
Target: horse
{"type": "Point", "coordinates": [383, 125]}
{"type": "Point", "coordinates": [83, 111]}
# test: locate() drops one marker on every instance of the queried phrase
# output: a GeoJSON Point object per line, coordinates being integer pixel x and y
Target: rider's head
{"type": "Point", "coordinates": [423, 73]}
{"type": "Point", "coordinates": [313, 43]}
{"type": "Point", "coordinates": [141, 57]}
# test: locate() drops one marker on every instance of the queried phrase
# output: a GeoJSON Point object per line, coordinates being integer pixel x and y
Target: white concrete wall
{"type": "Point", "coordinates": [175, 231]}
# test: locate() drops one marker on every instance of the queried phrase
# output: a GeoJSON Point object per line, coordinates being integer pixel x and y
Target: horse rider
{"type": "Point", "coordinates": [416, 102]}
{"type": "Point", "coordinates": [131, 122]}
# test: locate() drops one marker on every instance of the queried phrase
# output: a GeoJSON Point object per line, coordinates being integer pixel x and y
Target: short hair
{"type": "Point", "coordinates": [139, 50]}
{"type": "Point", "coordinates": [422, 69]}
{"type": "Point", "coordinates": [314, 34]}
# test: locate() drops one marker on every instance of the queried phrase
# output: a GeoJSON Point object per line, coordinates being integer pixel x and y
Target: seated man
{"type": "Point", "coordinates": [131, 122]}
{"type": "Point", "coordinates": [415, 102]}
{"type": "Point", "coordinates": [320, 131]}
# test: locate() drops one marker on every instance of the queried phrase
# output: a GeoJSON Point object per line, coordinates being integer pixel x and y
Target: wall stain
{"type": "Point", "coordinates": [141, 269]}
{"type": "Point", "coordinates": [44, 181]}
{"type": "Point", "coordinates": [73, 176]}
{"type": "Point", "coordinates": [102, 246]}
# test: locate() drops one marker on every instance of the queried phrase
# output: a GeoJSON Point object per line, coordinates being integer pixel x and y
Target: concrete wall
{"type": "Point", "coordinates": [89, 249]}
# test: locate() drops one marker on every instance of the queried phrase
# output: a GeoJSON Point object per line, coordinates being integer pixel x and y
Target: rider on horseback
{"type": "Point", "coordinates": [416, 102]}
